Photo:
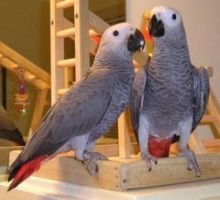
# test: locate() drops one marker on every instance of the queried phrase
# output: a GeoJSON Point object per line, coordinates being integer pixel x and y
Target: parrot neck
{"type": "Point", "coordinates": [114, 61]}
{"type": "Point", "coordinates": [171, 49]}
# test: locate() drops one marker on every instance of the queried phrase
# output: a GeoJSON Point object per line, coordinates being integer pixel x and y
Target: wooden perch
{"type": "Point", "coordinates": [129, 174]}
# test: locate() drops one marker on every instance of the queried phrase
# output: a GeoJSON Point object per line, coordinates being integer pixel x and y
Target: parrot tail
{"type": "Point", "coordinates": [159, 147]}
{"type": "Point", "coordinates": [26, 170]}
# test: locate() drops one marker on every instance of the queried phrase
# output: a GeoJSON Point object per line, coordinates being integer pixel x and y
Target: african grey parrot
{"type": "Point", "coordinates": [8, 130]}
{"type": "Point", "coordinates": [169, 94]}
{"type": "Point", "coordinates": [88, 109]}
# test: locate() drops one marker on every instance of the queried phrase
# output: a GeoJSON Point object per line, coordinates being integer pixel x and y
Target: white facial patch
{"type": "Point", "coordinates": [165, 14]}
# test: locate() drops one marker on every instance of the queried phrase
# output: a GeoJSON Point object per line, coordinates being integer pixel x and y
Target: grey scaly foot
{"type": "Point", "coordinates": [149, 159]}
{"type": "Point", "coordinates": [192, 163]}
{"type": "Point", "coordinates": [90, 161]}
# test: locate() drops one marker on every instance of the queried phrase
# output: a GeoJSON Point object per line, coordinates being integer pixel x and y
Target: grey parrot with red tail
{"type": "Point", "coordinates": [169, 94]}
{"type": "Point", "coordinates": [88, 109]}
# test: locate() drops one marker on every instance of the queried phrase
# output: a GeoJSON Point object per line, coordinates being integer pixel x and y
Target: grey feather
{"type": "Point", "coordinates": [137, 97]}
{"type": "Point", "coordinates": [200, 93]}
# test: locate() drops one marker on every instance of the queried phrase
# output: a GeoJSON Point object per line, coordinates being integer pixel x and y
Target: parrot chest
{"type": "Point", "coordinates": [168, 100]}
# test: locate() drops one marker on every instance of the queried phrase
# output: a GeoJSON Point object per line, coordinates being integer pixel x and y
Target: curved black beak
{"type": "Point", "coordinates": [136, 41]}
{"type": "Point", "coordinates": [156, 27]}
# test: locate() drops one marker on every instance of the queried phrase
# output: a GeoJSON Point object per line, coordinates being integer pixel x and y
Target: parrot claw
{"type": "Point", "coordinates": [192, 163]}
{"type": "Point", "coordinates": [149, 159]}
{"type": "Point", "coordinates": [90, 161]}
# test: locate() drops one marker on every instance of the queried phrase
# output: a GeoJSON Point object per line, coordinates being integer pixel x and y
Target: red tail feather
{"type": "Point", "coordinates": [26, 170]}
{"type": "Point", "coordinates": [159, 147]}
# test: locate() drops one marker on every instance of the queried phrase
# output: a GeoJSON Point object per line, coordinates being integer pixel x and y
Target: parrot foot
{"type": "Point", "coordinates": [149, 159]}
{"type": "Point", "coordinates": [191, 161]}
{"type": "Point", "coordinates": [90, 161]}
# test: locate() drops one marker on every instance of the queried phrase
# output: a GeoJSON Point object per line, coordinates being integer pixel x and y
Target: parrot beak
{"type": "Point", "coordinates": [156, 27]}
{"type": "Point", "coordinates": [136, 41]}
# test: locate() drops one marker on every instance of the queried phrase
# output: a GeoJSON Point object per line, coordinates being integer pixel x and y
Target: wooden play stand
{"type": "Point", "coordinates": [124, 171]}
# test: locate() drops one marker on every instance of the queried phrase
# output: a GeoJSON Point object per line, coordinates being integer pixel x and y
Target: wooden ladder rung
{"type": "Point", "coordinates": [92, 32]}
{"type": "Point", "coordinates": [62, 91]}
{"type": "Point", "coordinates": [9, 64]}
{"type": "Point", "coordinates": [29, 76]}
{"type": "Point", "coordinates": [209, 118]}
{"type": "Point", "coordinates": [212, 143]}
{"type": "Point", "coordinates": [69, 32]}
{"type": "Point", "coordinates": [67, 63]}
{"type": "Point", "coordinates": [65, 4]}
{"type": "Point", "coordinates": [1, 56]}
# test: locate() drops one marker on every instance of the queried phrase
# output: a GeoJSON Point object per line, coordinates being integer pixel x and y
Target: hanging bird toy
{"type": "Point", "coordinates": [21, 98]}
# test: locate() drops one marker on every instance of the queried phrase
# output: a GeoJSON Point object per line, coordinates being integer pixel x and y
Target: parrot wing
{"type": "Point", "coordinates": [80, 109]}
{"type": "Point", "coordinates": [137, 97]}
{"type": "Point", "coordinates": [200, 94]}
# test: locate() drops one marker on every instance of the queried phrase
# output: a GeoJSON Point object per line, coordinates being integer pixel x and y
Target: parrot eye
{"type": "Point", "coordinates": [115, 33]}
{"type": "Point", "coordinates": [174, 16]}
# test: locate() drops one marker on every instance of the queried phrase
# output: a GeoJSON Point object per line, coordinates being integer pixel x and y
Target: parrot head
{"type": "Point", "coordinates": [165, 22]}
{"type": "Point", "coordinates": [123, 36]}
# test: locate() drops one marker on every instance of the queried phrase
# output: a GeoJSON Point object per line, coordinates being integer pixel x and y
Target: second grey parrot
{"type": "Point", "coordinates": [8, 130]}
{"type": "Point", "coordinates": [88, 109]}
{"type": "Point", "coordinates": [169, 94]}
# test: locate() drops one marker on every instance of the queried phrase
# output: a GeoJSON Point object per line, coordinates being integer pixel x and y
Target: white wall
{"type": "Point", "coordinates": [202, 23]}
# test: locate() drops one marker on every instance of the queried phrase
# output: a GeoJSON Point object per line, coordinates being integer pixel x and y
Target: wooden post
{"type": "Point", "coordinates": [124, 136]}
{"type": "Point", "coordinates": [38, 110]}
{"type": "Point", "coordinates": [81, 38]}
{"type": "Point", "coordinates": [214, 110]}
{"type": "Point", "coordinates": [56, 49]}
{"type": "Point", "coordinates": [196, 144]}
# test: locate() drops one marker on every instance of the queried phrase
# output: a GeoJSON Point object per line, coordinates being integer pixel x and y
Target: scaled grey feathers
{"type": "Point", "coordinates": [91, 106]}
{"type": "Point", "coordinates": [169, 95]}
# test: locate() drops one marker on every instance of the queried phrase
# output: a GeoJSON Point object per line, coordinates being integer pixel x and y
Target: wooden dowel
{"type": "Point", "coordinates": [65, 4]}
{"type": "Point", "coordinates": [9, 64]}
{"type": "Point", "coordinates": [62, 91]}
{"type": "Point", "coordinates": [67, 63]}
{"type": "Point", "coordinates": [70, 32]}
{"type": "Point", "coordinates": [29, 76]}
{"type": "Point", "coordinates": [92, 32]}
